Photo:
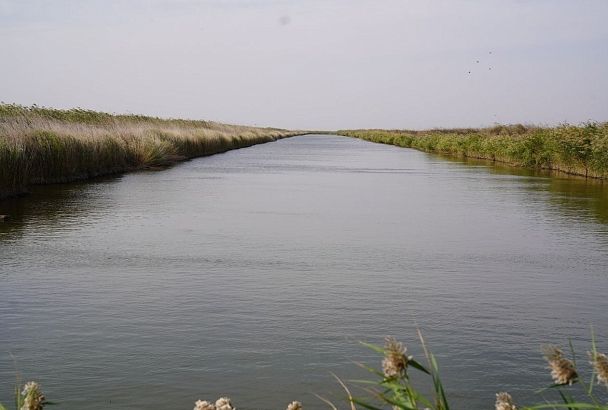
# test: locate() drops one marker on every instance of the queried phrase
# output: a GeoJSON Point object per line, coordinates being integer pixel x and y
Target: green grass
{"type": "Point", "coordinates": [580, 150]}
{"type": "Point", "coordinates": [43, 145]}
{"type": "Point", "coordinates": [395, 385]}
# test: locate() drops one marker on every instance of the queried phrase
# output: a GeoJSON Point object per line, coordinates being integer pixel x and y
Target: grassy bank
{"type": "Point", "coordinates": [579, 150]}
{"type": "Point", "coordinates": [42, 145]}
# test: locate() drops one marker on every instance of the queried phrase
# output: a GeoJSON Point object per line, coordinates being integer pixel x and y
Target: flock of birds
{"type": "Point", "coordinates": [477, 62]}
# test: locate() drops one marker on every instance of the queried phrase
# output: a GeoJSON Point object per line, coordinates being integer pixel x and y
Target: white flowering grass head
{"type": "Point", "coordinates": [295, 405]}
{"type": "Point", "coordinates": [224, 403]}
{"type": "Point", "coordinates": [395, 387]}
{"type": "Point", "coordinates": [395, 361]}
{"type": "Point", "coordinates": [504, 401]}
{"type": "Point", "coordinates": [562, 368]}
{"type": "Point", "coordinates": [599, 361]}
{"type": "Point", "coordinates": [31, 397]}
{"type": "Point", "coordinates": [203, 405]}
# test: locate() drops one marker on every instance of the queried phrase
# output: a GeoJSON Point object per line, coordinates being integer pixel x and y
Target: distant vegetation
{"type": "Point", "coordinates": [43, 145]}
{"type": "Point", "coordinates": [580, 150]}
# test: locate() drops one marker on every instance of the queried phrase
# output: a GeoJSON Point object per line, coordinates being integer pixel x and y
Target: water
{"type": "Point", "coordinates": [254, 273]}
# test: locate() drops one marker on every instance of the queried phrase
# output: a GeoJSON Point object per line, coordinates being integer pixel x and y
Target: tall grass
{"type": "Point", "coordinates": [580, 150]}
{"type": "Point", "coordinates": [43, 145]}
{"type": "Point", "coordinates": [395, 386]}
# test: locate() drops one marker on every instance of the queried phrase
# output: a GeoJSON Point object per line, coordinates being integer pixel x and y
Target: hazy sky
{"type": "Point", "coordinates": [323, 64]}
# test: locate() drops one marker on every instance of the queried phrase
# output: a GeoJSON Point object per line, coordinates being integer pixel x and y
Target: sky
{"type": "Point", "coordinates": [312, 64]}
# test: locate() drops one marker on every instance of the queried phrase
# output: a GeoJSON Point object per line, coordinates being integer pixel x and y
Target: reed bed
{"type": "Point", "coordinates": [43, 145]}
{"type": "Point", "coordinates": [579, 150]}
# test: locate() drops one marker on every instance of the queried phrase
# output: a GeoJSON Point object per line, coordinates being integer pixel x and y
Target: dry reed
{"type": "Point", "coordinates": [41, 145]}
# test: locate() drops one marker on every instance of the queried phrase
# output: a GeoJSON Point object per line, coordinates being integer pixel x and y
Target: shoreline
{"type": "Point", "coordinates": [119, 171]}
{"type": "Point", "coordinates": [41, 146]}
{"type": "Point", "coordinates": [571, 150]}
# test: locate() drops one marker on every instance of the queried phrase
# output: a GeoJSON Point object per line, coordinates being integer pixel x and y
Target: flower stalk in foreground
{"type": "Point", "coordinates": [395, 360]}
{"type": "Point", "coordinates": [599, 361]}
{"type": "Point", "coordinates": [504, 401]}
{"type": "Point", "coordinates": [562, 369]}
{"type": "Point", "coordinates": [203, 405]}
{"type": "Point", "coordinates": [224, 403]}
{"type": "Point", "coordinates": [32, 397]}
{"type": "Point", "coordinates": [294, 405]}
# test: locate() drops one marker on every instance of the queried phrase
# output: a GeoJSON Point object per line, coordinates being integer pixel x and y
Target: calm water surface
{"type": "Point", "coordinates": [254, 273]}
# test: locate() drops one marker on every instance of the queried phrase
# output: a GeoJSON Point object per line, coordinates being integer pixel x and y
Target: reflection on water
{"type": "Point", "coordinates": [577, 196]}
{"type": "Point", "coordinates": [51, 205]}
{"type": "Point", "coordinates": [253, 273]}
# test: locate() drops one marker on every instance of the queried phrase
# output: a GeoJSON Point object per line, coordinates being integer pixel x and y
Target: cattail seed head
{"type": "Point", "coordinates": [33, 399]}
{"type": "Point", "coordinates": [203, 405]}
{"type": "Point", "coordinates": [599, 361]}
{"type": "Point", "coordinates": [562, 369]}
{"type": "Point", "coordinates": [395, 360]}
{"type": "Point", "coordinates": [504, 402]}
{"type": "Point", "coordinates": [294, 405]}
{"type": "Point", "coordinates": [224, 403]}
